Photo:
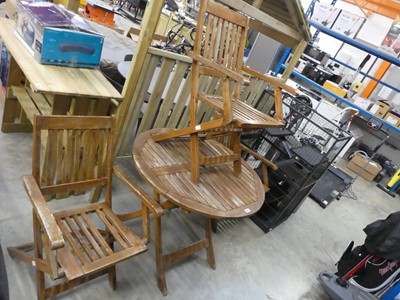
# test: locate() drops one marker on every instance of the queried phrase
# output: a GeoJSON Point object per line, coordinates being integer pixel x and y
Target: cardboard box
{"type": "Point", "coordinates": [364, 167]}
{"type": "Point", "coordinates": [393, 119]}
{"type": "Point", "coordinates": [348, 24]}
{"type": "Point", "coordinates": [379, 109]}
{"type": "Point", "coordinates": [134, 33]}
{"type": "Point", "coordinates": [325, 14]}
{"type": "Point", "coordinates": [334, 88]}
{"type": "Point", "coordinates": [58, 37]}
{"type": "Point", "coordinates": [362, 103]}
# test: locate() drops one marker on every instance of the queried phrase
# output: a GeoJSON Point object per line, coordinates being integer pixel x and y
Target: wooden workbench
{"type": "Point", "coordinates": [47, 89]}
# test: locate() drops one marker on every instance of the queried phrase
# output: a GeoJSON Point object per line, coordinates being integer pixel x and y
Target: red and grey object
{"type": "Point", "coordinates": [339, 289]}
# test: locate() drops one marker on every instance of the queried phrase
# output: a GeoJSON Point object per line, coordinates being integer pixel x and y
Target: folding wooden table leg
{"type": "Point", "coordinates": [210, 249]}
{"type": "Point", "coordinates": [162, 285]}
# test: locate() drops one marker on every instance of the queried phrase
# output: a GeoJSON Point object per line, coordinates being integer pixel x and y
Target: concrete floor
{"type": "Point", "coordinates": [280, 265]}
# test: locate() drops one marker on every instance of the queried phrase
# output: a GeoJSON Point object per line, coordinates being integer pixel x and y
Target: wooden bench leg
{"type": "Point", "coordinates": [210, 249]}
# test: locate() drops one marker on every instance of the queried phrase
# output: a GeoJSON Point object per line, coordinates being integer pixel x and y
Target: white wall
{"type": "Point", "coordinates": [372, 32]}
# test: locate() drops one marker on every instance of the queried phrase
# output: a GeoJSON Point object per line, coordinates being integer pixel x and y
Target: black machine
{"type": "Point", "coordinates": [330, 186]}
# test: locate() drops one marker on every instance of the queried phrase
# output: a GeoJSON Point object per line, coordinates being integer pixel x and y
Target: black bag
{"type": "Point", "coordinates": [352, 260]}
{"type": "Point", "coordinates": [383, 237]}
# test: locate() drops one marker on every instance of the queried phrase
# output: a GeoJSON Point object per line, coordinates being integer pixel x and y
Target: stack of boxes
{"type": "Point", "coordinates": [383, 111]}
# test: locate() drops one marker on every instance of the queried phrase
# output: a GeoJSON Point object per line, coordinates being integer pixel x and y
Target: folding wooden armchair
{"type": "Point", "coordinates": [219, 53]}
{"type": "Point", "coordinates": [81, 242]}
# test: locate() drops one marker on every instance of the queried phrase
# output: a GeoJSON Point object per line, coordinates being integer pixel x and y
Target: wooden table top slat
{"type": "Point", "coordinates": [219, 194]}
{"type": "Point", "coordinates": [51, 79]}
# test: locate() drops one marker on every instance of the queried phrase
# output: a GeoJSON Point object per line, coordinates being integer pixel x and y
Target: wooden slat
{"type": "Point", "coordinates": [91, 156]}
{"type": "Point", "coordinates": [67, 261]}
{"type": "Point", "coordinates": [96, 234]}
{"type": "Point", "coordinates": [82, 240]}
{"type": "Point", "coordinates": [180, 70]}
{"type": "Point", "coordinates": [59, 159]}
{"type": "Point", "coordinates": [128, 235]}
{"type": "Point", "coordinates": [264, 19]}
{"type": "Point", "coordinates": [77, 250]}
{"type": "Point", "coordinates": [229, 15]}
{"type": "Point", "coordinates": [40, 102]}
{"type": "Point", "coordinates": [231, 74]}
{"type": "Point", "coordinates": [180, 104]}
{"type": "Point", "coordinates": [275, 81]}
{"type": "Point", "coordinates": [88, 235]}
{"type": "Point", "coordinates": [209, 160]}
{"type": "Point", "coordinates": [184, 131]}
{"type": "Point", "coordinates": [138, 99]}
{"type": "Point", "coordinates": [25, 101]}
{"type": "Point", "coordinates": [165, 170]}
{"type": "Point", "coordinates": [50, 159]}
{"type": "Point", "coordinates": [112, 230]}
{"type": "Point", "coordinates": [112, 260]}
{"type": "Point", "coordinates": [156, 95]}
{"type": "Point", "coordinates": [74, 122]}
{"type": "Point", "coordinates": [101, 139]}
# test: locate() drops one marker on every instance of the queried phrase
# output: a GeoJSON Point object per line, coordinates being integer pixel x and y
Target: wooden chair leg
{"type": "Point", "coordinates": [237, 165]}
{"type": "Point", "coordinates": [210, 249]}
{"type": "Point", "coordinates": [162, 285]}
{"type": "Point", "coordinates": [194, 157]}
{"type": "Point", "coordinates": [214, 225]}
{"type": "Point", "coordinates": [112, 274]}
{"type": "Point", "coordinates": [145, 224]}
{"type": "Point", "coordinates": [112, 278]}
{"type": "Point", "coordinates": [38, 246]}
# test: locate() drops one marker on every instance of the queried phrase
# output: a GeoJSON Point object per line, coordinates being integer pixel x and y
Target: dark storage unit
{"type": "Point", "coordinates": [303, 151]}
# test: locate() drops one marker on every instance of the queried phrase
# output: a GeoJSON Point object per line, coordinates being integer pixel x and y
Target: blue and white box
{"type": "Point", "coordinates": [56, 36]}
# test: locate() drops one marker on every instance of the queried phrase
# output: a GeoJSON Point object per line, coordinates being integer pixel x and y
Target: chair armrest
{"type": "Point", "coordinates": [271, 80]}
{"type": "Point", "coordinates": [151, 204]}
{"type": "Point", "coordinates": [259, 157]}
{"type": "Point", "coordinates": [43, 212]}
{"type": "Point", "coordinates": [221, 69]}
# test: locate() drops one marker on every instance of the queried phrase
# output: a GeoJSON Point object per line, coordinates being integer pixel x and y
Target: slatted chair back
{"type": "Point", "coordinates": [72, 154]}
{"type": "Point", "coordinates": [225, 36]}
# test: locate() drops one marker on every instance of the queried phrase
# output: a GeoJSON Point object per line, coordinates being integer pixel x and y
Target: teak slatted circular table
{"type": "Point", "coordinates": [219, 194]}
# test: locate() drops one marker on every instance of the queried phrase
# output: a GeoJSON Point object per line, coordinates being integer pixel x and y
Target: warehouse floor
{"type": "Point", "coordinates": [280, 265]}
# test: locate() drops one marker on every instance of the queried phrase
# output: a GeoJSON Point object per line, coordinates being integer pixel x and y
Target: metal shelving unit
{"type": "Point", "coordinates": [359, 45]}
{"type": "Point", "coordinates": [356, 43]}
{"type": "Point", "coordinates": [345, 101]}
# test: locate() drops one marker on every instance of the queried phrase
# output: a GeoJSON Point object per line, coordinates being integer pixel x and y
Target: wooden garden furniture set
{"type": "Point", "coordinates": [188, 168]}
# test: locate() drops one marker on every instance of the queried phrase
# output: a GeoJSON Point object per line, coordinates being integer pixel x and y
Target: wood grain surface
{"type": "Point", "coordinates": [219, 193]}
